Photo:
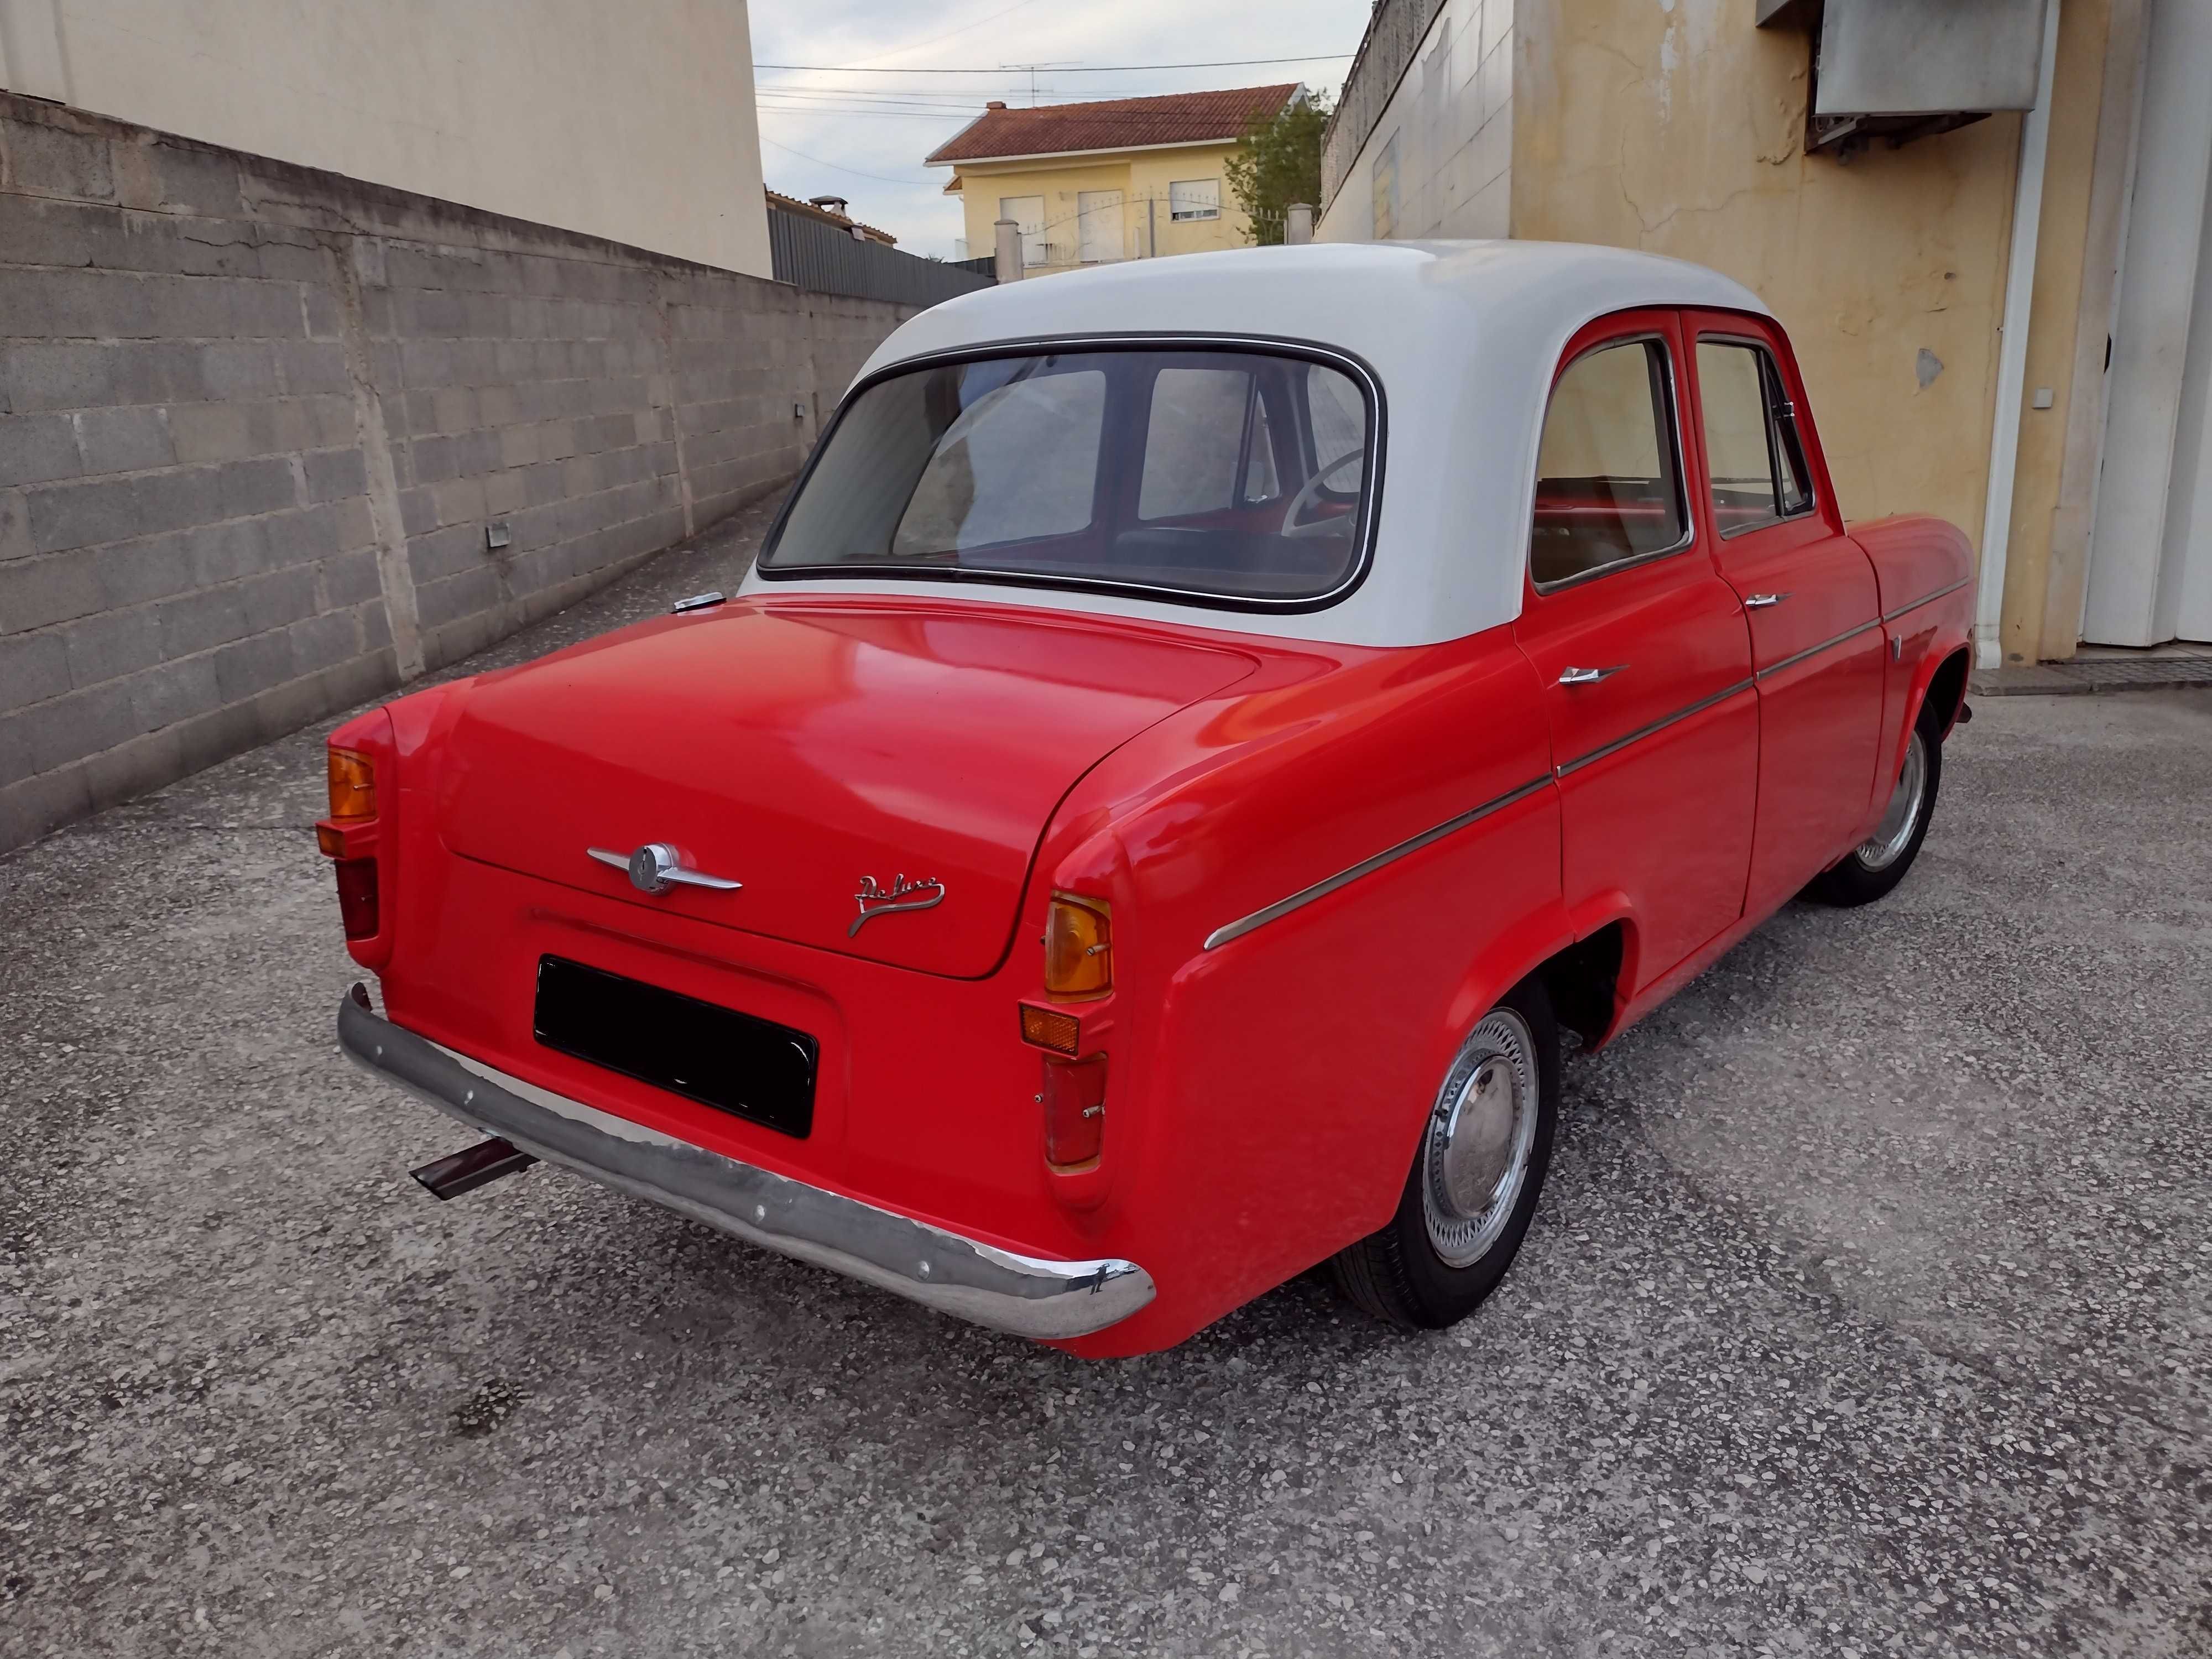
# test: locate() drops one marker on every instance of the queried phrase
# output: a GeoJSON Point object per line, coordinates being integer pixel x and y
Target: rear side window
{"type": "Point", "coordinates": [1226, 474]}
{"type": "Point", "coordinates": [1608, 474]}
{"type": "Point", "coordinates": [1753, 452]}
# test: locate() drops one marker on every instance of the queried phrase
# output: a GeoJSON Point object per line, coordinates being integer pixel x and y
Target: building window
{"type": "Point", "coordinates": [1194, 198]}
{"type": "Point", "coordinates": [1027, 212]}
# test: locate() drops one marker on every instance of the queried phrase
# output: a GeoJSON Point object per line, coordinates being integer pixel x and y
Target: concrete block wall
{"type": "Point", "coordinates": [256, 422]}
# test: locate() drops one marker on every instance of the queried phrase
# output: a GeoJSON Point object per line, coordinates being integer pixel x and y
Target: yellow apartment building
{"type": "Point", "coordinates": [1092, 183]}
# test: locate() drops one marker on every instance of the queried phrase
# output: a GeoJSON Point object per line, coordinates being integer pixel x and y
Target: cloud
{"type": "Point", "coordinates": [862, 137]}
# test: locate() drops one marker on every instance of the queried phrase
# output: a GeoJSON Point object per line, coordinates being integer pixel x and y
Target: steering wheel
{"type": "Point", "coordinates": [1306, 497]}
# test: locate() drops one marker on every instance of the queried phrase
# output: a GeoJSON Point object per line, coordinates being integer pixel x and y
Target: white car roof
{"type": "Point", "coordinates": [1462, 338]}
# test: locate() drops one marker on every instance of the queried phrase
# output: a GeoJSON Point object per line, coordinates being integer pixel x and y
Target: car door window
{"type": "Point", "coordinates": [1609, 471]}
{"type": "Point", "coordinates": [1753, 455]}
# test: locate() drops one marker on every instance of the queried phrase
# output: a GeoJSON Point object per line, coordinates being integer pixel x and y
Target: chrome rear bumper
{"type": "Point", "coordinates": [1029, 1296]}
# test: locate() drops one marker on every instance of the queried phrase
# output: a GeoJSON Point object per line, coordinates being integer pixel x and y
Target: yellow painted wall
{"type": "Point", "coordinates": [1679, 131]}
{"type": "Point", "coordinates": [1141, 176]}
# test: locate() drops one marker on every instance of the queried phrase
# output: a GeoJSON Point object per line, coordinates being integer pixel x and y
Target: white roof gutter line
{"type": "Point", "coordinates": [2012, 355]}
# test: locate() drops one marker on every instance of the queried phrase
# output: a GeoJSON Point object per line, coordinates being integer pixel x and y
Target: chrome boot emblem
{"type": "Point", "coordinates": [876, 901]}
{"type": "Point", "coordinates": [656, 866]}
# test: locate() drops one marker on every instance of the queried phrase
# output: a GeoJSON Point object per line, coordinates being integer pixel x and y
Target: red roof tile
{"type": "Point", "coordinates": [1181, 117]}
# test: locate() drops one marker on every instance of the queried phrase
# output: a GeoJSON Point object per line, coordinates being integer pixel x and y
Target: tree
{"type": "Point", "coordinates": [1276, 162]}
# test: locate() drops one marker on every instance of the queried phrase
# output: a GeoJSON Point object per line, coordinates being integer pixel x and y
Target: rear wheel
{"type": "Point", "coordinates": [1468, 1202]}
{"type": "Point", "coordinates": [1871, 870]}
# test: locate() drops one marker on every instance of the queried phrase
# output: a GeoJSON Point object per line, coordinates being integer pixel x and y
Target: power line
{"type": "Point", "coordinates": [865, 114]}
{"type": "Point", "coordinates": [881, 179]}
{"type": "Point", "coordinates": [1090, 68]}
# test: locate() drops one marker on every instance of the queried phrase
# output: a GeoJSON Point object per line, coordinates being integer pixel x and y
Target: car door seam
{"type": "Point", "coordinates": [1654, 729]}
{"type": "Point", "coordinates": [1367, 866]}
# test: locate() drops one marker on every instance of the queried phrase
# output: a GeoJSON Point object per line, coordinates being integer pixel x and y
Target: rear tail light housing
{"type": "Point", "coordinates": [1051, 1027]}
{"type": "Point", "coordinates": [1075, 1100]}
{"type": "Point", "coordinates": [357, 898]}
{"type": "Point", "coordinates": [1078, 948]}
{"type": "Point", "coordinates": [354, 835]}
{"type": "Point", "coordinates": [353, 786]}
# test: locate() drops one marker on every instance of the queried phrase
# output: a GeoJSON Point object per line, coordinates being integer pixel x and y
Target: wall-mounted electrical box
{"type": "Point", "coordinates": [1902, 69]}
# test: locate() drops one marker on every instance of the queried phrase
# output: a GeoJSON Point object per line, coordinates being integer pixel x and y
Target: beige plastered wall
{"type": "Point", "coordinates": [1678, 128]}
{"type": "Point", "coordinates": [2092, 109]}
{"type": "Point", "coordinates": [631, 122]}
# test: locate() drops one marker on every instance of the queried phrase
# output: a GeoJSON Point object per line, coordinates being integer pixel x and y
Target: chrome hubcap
{"type": "Point", "coordinates": [1880, 849]}
{"type": "Point", "coordinates": [1475, 1152]}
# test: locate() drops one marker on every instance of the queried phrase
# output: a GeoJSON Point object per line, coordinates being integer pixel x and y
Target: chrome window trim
{"type": "Point", "coordinates": [1279, 345]}
{"type": "Point", "coordinates": [1655, 727]}
{"type": "Point", "coordinates": [1688, 539]}
{"type": "Point", "coordinates": [1366, 867]}
{"type": "Point", "coordinates": [1926, 598]}
{"type": "Point", "coordinates": [1812, 489]}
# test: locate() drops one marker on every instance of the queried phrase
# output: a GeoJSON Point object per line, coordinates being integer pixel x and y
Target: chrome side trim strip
{"type": "Point", "coordinates": [1655, 727]}
{"type": "Point", "coordinates": [1927, 598]}
{"type": "Point", "coordinates": [1030, 1295]}
{"type": "Point", "coordinates": [1282, 907]}
{"type": "Point", "coordinates": [1796, 657]}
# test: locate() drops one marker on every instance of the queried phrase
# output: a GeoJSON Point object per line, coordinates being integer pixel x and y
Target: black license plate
{"type": "Point", "coordinates": [752, 1068]}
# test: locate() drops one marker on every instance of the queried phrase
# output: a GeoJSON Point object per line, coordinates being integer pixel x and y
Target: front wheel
{"type": "Point", "coordinates": [1871, 869]}
{"type": "Point", "coordinates": [1484, 1149]}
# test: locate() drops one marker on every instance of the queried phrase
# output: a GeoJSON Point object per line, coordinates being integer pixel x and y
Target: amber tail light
{"type": "Point", "coordinates": [1074, 1099]}
{"type": "Point", "coordinates": [1049, 1028]}
{"type": "Point", "coordinates": [353, 786]}
{"type": "Point", "coordinates": [1078, 948]}
{"type": "Point", "coordinates": [357, 906]}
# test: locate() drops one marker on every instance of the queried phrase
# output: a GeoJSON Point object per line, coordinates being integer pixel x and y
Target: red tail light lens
{"type": "Point", "coordinates": [357, 905]}
{"type": "Point", "coordinates": [1075, 1111]}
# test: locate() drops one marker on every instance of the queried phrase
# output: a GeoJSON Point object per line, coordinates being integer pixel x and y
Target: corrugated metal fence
{"type": "Point", "coordinates": [810, 254]}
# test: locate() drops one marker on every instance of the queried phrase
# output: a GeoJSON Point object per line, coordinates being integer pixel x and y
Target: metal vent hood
{"type": "Point", "coordinates": [1904, 68]}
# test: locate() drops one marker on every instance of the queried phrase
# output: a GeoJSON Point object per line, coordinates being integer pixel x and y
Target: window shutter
{"type": "Point", "coordinates": [1194, 198]}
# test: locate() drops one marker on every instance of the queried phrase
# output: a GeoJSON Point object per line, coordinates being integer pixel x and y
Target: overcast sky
{"type": "Point", "coordinates": [863, 135]}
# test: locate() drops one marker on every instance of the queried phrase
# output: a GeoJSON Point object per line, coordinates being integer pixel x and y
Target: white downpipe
{"type": "Point", "coordinates": [2012, 355]}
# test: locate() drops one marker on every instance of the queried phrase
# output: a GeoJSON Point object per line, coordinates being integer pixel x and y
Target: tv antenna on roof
{"type": "Point", "coordinates": [1032, 69]}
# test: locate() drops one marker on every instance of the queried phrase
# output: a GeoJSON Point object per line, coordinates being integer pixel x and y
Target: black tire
{"type": "Point", "coordinates": [1861, 876]}
{"type": "Point", "coordinates": [1400, 1273]}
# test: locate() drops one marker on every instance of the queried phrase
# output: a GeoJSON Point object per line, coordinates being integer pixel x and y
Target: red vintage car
{"type": "Point", "coordinates": [1198, 733]}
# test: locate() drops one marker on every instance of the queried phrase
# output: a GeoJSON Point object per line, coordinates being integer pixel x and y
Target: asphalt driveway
{"type": "Point", "coordinates": [1870, 1311]}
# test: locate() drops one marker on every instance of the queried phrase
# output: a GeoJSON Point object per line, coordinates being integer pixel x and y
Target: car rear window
{"type": "Point", "coordinates": [1226, 475]}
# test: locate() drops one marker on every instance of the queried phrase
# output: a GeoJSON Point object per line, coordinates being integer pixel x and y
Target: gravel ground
{"type": "Point", "coordinates": [1868, 1311]}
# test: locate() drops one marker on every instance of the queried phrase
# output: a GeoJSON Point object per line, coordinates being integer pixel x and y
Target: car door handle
{"type": "Point", "coordinates": [1589, 676]}
{"type": "Point", "coordinates": [1761, 601]}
